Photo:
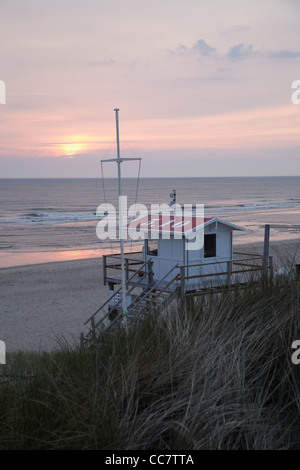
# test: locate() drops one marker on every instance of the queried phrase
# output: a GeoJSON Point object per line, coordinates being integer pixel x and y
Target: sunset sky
{"type": "Point", "coordinates": [204, 87]}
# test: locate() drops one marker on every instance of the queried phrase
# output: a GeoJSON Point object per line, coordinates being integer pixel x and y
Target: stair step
{"type": "Point", "coordinates": [147, 301]}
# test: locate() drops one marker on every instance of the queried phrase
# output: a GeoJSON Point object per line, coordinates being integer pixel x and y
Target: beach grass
{"type": "Point", "coordinates": [215, 373]}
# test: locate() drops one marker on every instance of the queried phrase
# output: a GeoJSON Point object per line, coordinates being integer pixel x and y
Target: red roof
{"type": "Point", "coordinates": [167, 223]}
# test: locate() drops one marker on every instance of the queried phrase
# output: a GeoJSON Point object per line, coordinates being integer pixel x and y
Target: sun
{"type": "Point", "coordinates": [73, 145]}
{"type": "Point", "coordinates": [72, 149]}
{"type": "Point", "coordinates": [76, 144]}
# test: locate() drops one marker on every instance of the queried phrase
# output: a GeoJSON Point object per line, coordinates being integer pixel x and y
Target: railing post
{"type": "Point", "coordinates": [229, 272]}
{"type": "Point", "coordinates": [93, 328]}
{"type": "Point", "coordinates": [104, 270]}
{"type": "Point", "coordinates": [150, 272]}
{"type": "Point", "coordinates": [182, 281]}
{"type": "Point", "coordinates": [271, 267]}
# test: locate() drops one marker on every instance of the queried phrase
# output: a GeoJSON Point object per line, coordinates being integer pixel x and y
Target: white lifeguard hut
{"type": "Point", "coordinates": [168, 245]}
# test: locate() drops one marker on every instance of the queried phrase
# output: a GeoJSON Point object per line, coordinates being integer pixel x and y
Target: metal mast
{"type": "Point", "coordinates": [119, 160]}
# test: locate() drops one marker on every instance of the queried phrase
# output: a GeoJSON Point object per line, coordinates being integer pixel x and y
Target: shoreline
{"type": "Point", "coordinates": [42, 302]}
{"type": "Point", "coordinates": [253, 237]}
{"type": "Point", "coordinates": [276, 247]}
{"type": "Point", "coordinates": [45, 257]}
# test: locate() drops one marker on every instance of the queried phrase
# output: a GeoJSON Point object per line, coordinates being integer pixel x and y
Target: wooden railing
{"type": "Point", "coordinates": [246, 263]}
{"type": "Point", "coordinates": [131, 264]}
{"type": "Point", "coordinates": [251, 263]}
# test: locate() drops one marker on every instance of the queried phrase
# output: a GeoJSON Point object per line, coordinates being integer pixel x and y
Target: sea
{"type": "Point", "coordinates": [50, 220]}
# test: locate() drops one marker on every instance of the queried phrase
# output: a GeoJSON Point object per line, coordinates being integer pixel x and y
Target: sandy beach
{"type": "Point", "coordinates": [42, 302]}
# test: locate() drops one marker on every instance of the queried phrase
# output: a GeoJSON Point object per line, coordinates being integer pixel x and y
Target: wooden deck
{"type": "Point", "coordinates": [242, 268]}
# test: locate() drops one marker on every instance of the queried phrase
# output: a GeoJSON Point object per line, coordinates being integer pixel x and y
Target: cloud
{"type": "Point", "coordinates": [236, 53]}
{"type": "Point", "coordinates": [180, 50]}
{"type": "Point", "coordinates": [203, 48]}
{"type": "Point", "coordinates": [200, 47]}
{"type": "Point", "coordinates": [284, 54]}
{"type": "Point", "coordinates": [241, 51]}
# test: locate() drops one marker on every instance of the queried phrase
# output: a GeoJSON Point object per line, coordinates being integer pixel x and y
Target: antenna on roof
{"type": "Point", "coordinates": [173, 197]}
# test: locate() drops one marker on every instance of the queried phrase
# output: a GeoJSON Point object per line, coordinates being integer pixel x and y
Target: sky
{"type": "Point", "coordinates": [204, 88]}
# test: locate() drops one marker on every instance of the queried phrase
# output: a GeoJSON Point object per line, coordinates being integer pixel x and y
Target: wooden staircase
{"type": "Point", "coordinates": [154, 296]}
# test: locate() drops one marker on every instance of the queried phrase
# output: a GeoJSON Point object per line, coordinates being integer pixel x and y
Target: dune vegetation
{"type": "Point", "coordinates": [213, 373]}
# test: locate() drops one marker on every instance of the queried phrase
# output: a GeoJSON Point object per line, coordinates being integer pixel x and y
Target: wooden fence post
{"type": "Point", "coordinates": [182, 279]}
{"type": "Point", "coordinates": [150, 272]}
{"type": "Point", "coordinates": [229, 272]}
{"type": "Point", "coordinates": [271, 266]}
{"type": "Point", "coordinates": [93, 328]}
